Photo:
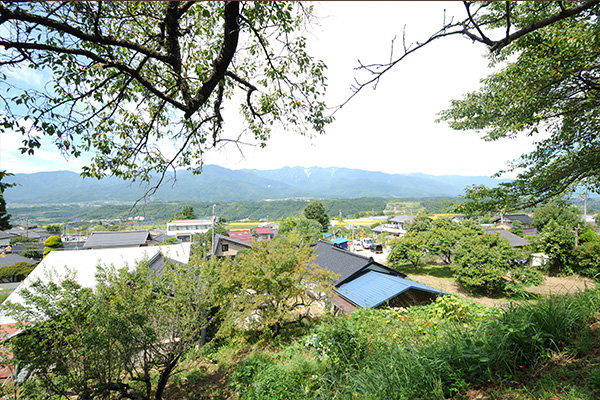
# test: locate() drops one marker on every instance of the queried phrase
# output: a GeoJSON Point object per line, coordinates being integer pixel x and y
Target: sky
{"type": "Point", "coordinates": [391, 129]}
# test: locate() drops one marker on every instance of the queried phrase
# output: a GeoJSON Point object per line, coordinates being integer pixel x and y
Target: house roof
{"type": "Point", "coordinates": [339, 261]}
{"type": "Point", "coordinates": [222, 238]}
{"type": "Point", "coordinates": [400, 219]}
{"type": "Point", "coordinates": [373, 289]}
{"type": "Point", "coordinates": [263, 230]}
{"type": "Point", "coordinates": [244, 235]}
{"type": "Point", "coordinates": [524, 218]}
{"type": "Point", "coordinates": [340, 240]}
{"type": "Point", "coordinates": [98, 240]}
{"type": "Point", "coordinates": [82, 264]}
{"type": "Point", "coordinates": [6, 235]}
{"type": "Point", "coordinates": [12, 259]}
{"type": "Point", "coordinates": [514, 240]}
{"type": "Point", "coordinates": [345, 263]}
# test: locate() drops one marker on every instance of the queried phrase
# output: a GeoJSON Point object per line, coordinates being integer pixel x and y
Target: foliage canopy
{"type": "Point", "coordinates": [128, 77]}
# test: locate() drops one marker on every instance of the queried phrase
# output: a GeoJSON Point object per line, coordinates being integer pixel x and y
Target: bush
{"type": "Point", "coordinates": [16, 272]}
{"type": "Point", "coordinates": [488, 263]}
{"type": "Point", "coordinates": [22, 239]}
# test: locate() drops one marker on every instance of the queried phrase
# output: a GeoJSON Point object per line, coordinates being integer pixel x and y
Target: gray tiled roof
{"type": "Point", "coordinates": [12, 259]}
{"type": "Point", "coordinates": [514, 240]}
{"type": "Point", "coordinates": [339, 261]}
{"type": "Point", "coordinates": [524, 218]}
{"type": "Point", "coordinates": [99, 240]}
{"type": "Point", "coordinates": [402, 218]}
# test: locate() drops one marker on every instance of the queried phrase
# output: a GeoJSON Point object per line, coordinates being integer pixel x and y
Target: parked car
{"type": "Point", "coordinates": [367, 243]}
{"type": "Point", "coordinates": [357, 245]}
{"type": "Point", "coordinates": [377, 248]}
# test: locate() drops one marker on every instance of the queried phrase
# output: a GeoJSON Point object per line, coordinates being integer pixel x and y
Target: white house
{"type": "Point", "coordinates": [83, 264]}
{"type": "Point", "coordinates": [185, 229]}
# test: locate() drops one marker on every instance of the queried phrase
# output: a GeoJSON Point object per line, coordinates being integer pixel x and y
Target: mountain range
{"type": "Point", "coordinates": [218, 183]}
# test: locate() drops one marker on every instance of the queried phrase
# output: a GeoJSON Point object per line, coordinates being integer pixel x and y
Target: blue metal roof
{"type": "Point", "coordinates": [374, 288]}
{"type": "Point", "coordinates": [340, 240]}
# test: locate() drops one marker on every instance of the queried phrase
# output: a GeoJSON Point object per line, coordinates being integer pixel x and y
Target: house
{"type": "Point", "coordinates": [185, 229]}
{"type": "Point", "coordinates": [31, 232]}
{"type": "Point", "coordinates": [395, 226]}
{"type": "Point", "coordinates": [5, 237]}
{"type": "Point", "coordinates": [100, 240]}
{"type": "Point", "coordinates": [263, 233]}
{"type": "Point", "coordinates": [514, 240]}
{"type": "Point", "coordinates": [225, 246]}
{"type": "Point", "coordinates": [363, 282]}
{"type": "Point", "coordinates": [505, 222]}
{"type": "Point", "coordinates": [245, 235]}
{"type": "Point", "coordinates": [342, 243]}
{"type": "Point", "coordinates": [82, 265]}
{"type": "Point", "coordinates": [9, 259]}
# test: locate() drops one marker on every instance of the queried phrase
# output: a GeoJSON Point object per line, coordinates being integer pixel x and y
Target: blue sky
{"type": "Point", "coordinates": [390, 129]}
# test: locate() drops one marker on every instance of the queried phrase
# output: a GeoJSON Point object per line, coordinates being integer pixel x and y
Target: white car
{"type": "Point", "coordinates": [357, 245]}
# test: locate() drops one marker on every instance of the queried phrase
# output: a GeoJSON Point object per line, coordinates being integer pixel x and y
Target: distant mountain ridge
{"type": "Point", "coordinates": [218, 183]}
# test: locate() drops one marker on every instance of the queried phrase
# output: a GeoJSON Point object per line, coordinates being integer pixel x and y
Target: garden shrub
{"type": "Point", "coordinates": [16, 272]}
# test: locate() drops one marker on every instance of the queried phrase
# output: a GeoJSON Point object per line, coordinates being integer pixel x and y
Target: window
{"type": "Point", "coordinates": [224, 247]}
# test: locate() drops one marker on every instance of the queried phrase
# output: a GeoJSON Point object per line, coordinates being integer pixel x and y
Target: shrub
{"type": "Point", "coordinates": [16, 272]}
{"type": "Point", "coordinates": [22, 239]}
{"type": "Point", "coordinates": [488, 263]}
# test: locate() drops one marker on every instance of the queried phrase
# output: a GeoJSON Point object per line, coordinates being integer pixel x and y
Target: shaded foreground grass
{"type": "Point", "coordinates": [451, 349]}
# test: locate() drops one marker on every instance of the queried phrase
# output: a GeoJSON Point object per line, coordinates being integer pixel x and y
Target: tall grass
{"type": "Point", "coordinates": [427, 354]}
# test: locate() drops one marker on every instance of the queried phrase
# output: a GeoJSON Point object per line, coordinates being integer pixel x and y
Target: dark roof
{"type": "Point", "coordinates": [98, 240]}
{"type": "Point", "coordinates": [373, 289]}
{"type": "Point", "coordinates": [162, 238]}
{"type": "Point", "coordinates": [346, 264]}
{"type": "Point", "coordinates": [6, 235]}
{"type": "Point", "coordinates": [524, 218]}
{"type": "Point", "coordinates": [514, 240]}
{"type": "Point", "coordinates": [12, 259]}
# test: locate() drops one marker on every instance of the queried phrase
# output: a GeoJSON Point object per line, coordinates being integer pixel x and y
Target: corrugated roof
{"type": "Point", "coordinates": [373, 289]}
{"type": "Point", "coordinates": [263, 230]}
{"type": "Point", "coordinates": [243, 235]}
{"type": "Point", "coordinates": [98, 240]}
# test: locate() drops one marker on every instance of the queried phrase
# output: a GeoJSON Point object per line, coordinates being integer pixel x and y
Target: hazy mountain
{"type": "Point", "coordinates": [217, 183]}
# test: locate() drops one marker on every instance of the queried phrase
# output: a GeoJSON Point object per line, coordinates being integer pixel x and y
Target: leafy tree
{"type": "Point", "coordinates": [122, 340]}
{"type": "Point", "coordinates": [316, 210]}
{"type": "Point", "coordinates": [306, 230]}
{"type": "Point", "coordinates": [420, 223]}
{"type": "Point", "coordinates": [587, 259]}
{"type": "Point", "coordinates": [517, 228]}
{"type": "Point", "coordinates": [16, 272]}
{"type": "Point", "coordinates": [4, 215]}
{"type": "Point", "coordinates": [267, 288]}
{"type": "Point", "coordinates": [186, 213]}
{"type": "Point", "coordinates": [558, 211]}
{"type": "Point", "coordinates": [31, 251]}
{"type": "Point", "coordinates": [53, 229]}
{"type": "Point", "coordinates": [22, 239]}
{"type": "Point", "coordinates": [558, 243]}
{"type": "Point", "coordinates": [52, 243]}
{"type": "Point", "coordinates": [126, 76]}
{"type": "Point", "coordinates": [488, 263]}
{"type": "Point", "coordinates": [445, 235]}
{"type": "Point", "coordinates": [407, 249]}
{"type": "Point", "coordinates": [545, 80]}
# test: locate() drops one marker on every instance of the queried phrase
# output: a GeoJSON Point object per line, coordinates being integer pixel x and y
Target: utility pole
{"type": "Point", "coordinates": [584, 198]}
{"type": "Point", "coordinates": [214, 220]}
